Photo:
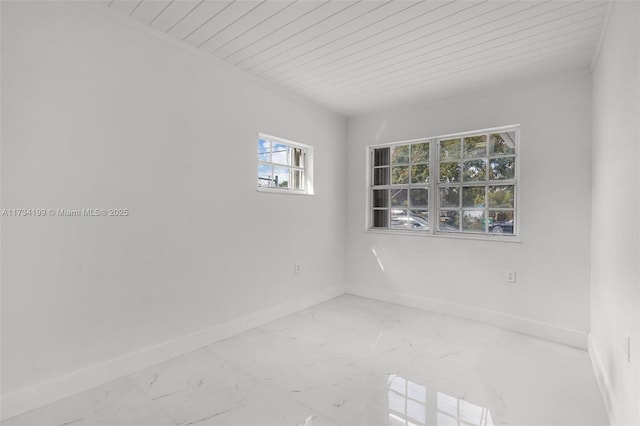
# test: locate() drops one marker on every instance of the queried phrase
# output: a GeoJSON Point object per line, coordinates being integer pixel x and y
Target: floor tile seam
{"type": "Point", "coordinates": [151, 400]}
{"type": "Point", "coordinates": [239, 366]}
{"type": "Point", "coordinates": [159, 406]}
{"type": "Point", "coordinates": [316, 410]}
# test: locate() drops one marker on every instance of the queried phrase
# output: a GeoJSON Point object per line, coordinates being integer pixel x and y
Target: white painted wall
{"type": "Point", "coordinates": [96, 114]}
{"type": "Point", "coordinates": [467, 277]}
{"type": "Point", "coordinates": [615, 249]}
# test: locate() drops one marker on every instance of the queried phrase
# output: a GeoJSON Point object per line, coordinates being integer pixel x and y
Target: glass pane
{"type": "Point", "coordinates": [450, 149]}
{"type": "Point", "coordinates": [449, 221]}
{"type": "Point", "coordinates": [380, 198]}
{"type": "Point", "coordinates": [419, 197]}
{"type": "Point", "coordinates": [420, 173]}
{"type": "Point", "coordinates": [501, 222]}
{"type": "Point", "coordinates": [449, 172]}
{"type": "Point", "coordinates": [473, 196]}
{"type": "Point", "coordinates": [473, 220]}
{"type": "Point", "coordinates": [297, 156]}
{"type": "Point", "coordinates": [502, 168]}
{"type": "Point", "coordinates": [399, 198]}
{"type": "Point", "coordinates": [399, 219]}
{"type": "Point", "coordinates": [281, 177]}
{"type": "Point", "coordinates": [381, 176]}
{"type": "Point", "coordinates": [419, 219]}
{"type": "Point", "coordinates": [297, 179]}
{"type": "Point", "coordinates": [474, 170]}
{"type": "Point", "coordinates": [399, 175]}
{"type": "Point", "coordinates": [449, 197]}
{"type": "Point", "coordinates": [400, 154]}
{"type": "Point", "coordinates": [420, 153]}
{"type": "Point", "coordinates": [416, 220]}
{"type": "Point", "coordinates": [381, 157]}
{"type": "Point", "coordinates": [380, 218]}
{"type": "Point", "coordinates": [265, 174]}
{"type": "Point", "coordinates": [280, 153]}
{"type": "Point", "coordinates": [503, 143]}
{"type": "Point", "coordinates": [475, 146]}
{"type": "Point", "coordinates": [501, 196]}
{"type": "Point", "coordinates": [264, 149]}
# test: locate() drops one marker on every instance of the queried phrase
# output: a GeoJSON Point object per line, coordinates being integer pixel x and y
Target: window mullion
{"type": "Point", "coordinates": [460, 203]}
{"type": "Point", "coordinates": [485, 213]}
{"type": "Point", "coordinates": [434, 195]}
{"type": "Point", "coordinates": [434, 175]}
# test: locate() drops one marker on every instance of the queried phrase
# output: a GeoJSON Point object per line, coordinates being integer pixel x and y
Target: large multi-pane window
{"type": "Point", "coordinates": [460, 184]}
{"type": "Point", "coordinates": [283, 165]}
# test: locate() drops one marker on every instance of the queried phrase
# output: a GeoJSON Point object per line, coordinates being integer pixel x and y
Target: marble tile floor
{"type": "Point", "coordinates": [351, 361]}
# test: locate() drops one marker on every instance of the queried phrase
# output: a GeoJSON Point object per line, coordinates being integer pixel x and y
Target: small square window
{"type": "Point", "coordinates": [284, 166]}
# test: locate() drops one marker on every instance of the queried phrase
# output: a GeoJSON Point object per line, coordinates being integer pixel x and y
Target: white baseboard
{"type": "Point", "coordinates": [45, 393]}
{"type": "Point", "coordinates": [540, 329]}
{"type": "Point", "coordinates": [604, 382]}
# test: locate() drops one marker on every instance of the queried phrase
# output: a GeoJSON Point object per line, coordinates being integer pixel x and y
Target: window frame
{"type": "Point", "coordinates": [434, 187]}
{"type": "Point", "coordinates": [306, 168]}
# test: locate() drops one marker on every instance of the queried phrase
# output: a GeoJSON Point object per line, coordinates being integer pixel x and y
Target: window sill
{"type": "Point", "coordinates": [284, 191]}
{"type": "Point", "coordinates": [449, 235]}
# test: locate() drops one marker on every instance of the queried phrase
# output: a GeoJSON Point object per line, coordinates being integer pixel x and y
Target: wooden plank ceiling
{"type": "Point", "coordinates": [352, 56]}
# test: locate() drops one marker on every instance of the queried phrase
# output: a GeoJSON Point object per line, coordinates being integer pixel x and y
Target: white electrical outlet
{"type": "Point", "coordinates": [511, 277]}
{"type": "Point", "coordinates": [296, 268]}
